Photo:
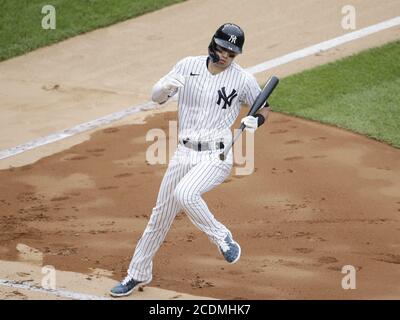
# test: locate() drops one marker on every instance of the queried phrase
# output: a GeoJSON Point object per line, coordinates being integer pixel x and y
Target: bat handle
{"type": "Point", "coordinates": [223, 155]}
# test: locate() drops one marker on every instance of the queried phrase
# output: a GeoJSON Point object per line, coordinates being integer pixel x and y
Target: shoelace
{"type": "Point", "coordinates": [224, 246]}
{"type": "Point", "coordinates": [126, 280]}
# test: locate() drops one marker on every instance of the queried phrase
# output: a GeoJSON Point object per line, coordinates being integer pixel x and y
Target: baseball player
{"type": "Point", "coordinates": [211, 90]}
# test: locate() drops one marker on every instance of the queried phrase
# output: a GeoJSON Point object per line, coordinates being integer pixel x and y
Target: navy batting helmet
{"type": "Point", "coordinates": [228, 36]}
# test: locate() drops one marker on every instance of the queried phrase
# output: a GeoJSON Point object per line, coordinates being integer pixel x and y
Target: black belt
{"type": "Point", "coordinates": [202, 146]}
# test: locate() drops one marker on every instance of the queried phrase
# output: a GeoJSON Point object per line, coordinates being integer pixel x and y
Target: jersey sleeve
{"type": "Point", "coordinates": [179, 67]}
{"type": "Point", "coordinates": [251, 90]}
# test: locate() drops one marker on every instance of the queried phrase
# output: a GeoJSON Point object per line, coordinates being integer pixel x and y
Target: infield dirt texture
{"type": "Point", "coordinates": [320, 197]}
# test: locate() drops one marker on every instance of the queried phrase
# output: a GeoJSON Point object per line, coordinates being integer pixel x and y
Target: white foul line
{"type": "Point", "coordinates": [322, 46]}
{"type": "Point", "coordinates": [57, 292]}
{"type": "Point", "coordinates": [75, 130]}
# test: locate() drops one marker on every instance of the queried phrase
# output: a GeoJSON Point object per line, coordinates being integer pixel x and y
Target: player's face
{"type": "Point", "coordinates": [225, 56]}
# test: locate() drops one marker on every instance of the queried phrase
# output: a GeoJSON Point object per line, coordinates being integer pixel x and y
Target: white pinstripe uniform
{"type": "Point", "coordinates": [207, 107]}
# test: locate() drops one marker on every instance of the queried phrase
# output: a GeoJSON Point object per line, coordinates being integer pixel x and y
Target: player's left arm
{"type": "Point", "coordinates": [252, 90]}
{"type": "Point", "coordinates": [252, 123]}
{"type": "Point", "coordinates": [264, 112]}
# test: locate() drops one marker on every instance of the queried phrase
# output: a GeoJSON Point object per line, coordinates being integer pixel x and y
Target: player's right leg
{"type": "Point", "coordinates": [163, 214]}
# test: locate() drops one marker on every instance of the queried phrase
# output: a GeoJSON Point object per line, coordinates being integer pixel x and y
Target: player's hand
{"type": "Point", "coordinates": [251, 123]}
{"type": "Point", "coordinates": [173, 82]}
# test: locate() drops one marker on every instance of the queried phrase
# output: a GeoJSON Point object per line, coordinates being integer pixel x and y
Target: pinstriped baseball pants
{"type": "Point", "coordinates": [190, 174]}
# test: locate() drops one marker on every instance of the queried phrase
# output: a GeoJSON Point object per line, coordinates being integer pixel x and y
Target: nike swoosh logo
{"type": "Point", "coordinates": [194, 74]}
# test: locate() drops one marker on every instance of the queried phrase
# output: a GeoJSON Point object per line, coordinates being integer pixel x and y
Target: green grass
{"type": "Point", "coordinates": [360, 93]}
{"type": "Point", "coordinates": [21, 20]}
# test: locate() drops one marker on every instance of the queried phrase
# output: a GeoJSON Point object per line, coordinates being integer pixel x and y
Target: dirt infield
{"type": "Point", "coordinates": [320, 198]}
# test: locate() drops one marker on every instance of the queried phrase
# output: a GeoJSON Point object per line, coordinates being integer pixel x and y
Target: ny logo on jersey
{"type": "Point", "coordinates": [227, 99]}
{"type": "Point", "coordinates": [232, 39]}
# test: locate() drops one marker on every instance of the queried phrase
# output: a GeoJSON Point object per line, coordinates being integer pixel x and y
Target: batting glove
{"type": "Point", "coordinates": [171, 83]}
{"type": "Point", "coordinates": [166, 87]}
{"type": "Point", "coordinates": [251, 123]}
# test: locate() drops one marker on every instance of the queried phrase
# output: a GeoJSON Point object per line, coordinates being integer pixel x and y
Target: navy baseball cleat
{"type": "Point", "coordinates": [230, 249]}
{"type": "Point", "coordinates": [127, 286]}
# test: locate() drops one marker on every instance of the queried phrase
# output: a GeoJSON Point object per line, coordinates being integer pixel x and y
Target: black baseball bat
{"type": "Point", "coordinates": [258, 103]}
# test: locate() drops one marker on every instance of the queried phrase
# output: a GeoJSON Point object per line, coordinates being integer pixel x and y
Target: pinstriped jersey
{"type": "Point", "coordinates": [209, 104]}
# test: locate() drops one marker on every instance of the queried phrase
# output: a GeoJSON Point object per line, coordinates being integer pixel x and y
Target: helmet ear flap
{"type": "Point", "coordinates": [211, 51]}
